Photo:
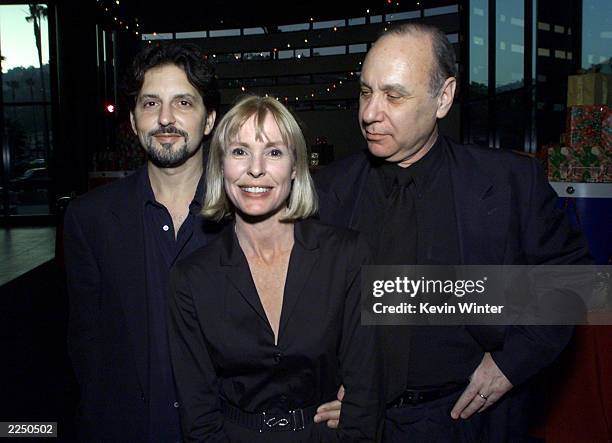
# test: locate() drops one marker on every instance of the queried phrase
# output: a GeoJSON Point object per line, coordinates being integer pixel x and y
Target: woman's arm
{"type": "Point", "coordinates": [194, 373]}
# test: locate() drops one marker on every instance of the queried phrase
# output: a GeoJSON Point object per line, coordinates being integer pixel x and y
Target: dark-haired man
{"type": "Point", "coordinates": [120, 242]}
{"type": "Point", "coordinates": [420, 198]}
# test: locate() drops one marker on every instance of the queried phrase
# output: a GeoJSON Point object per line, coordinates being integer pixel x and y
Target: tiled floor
{"type": "Point", "coordinates": [23, 249]}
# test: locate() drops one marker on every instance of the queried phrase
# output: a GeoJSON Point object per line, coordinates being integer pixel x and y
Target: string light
{"type": "Point", "coordinates": [330, 88]}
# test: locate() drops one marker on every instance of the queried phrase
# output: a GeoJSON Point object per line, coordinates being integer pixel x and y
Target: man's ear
{"type": "Point", "coordinates": [133, 123]}
{"type": "Point", "coordinates": [210, 122]}
{"type": "Point", "coordinates": [446, 96]}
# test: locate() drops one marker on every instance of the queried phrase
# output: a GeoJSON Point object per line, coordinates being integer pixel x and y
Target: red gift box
{"type": "Point", "coordinates": [606, 131]}
{"type": "Point", "coordinates": [584, 125]}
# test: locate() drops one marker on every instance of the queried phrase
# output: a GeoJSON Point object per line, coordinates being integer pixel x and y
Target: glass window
{"type": "Point", "coordinates": [329, 78]}
{"type": "Point", "coordinates": [596, 32]}
{"type": "Point", "coordinates": [376, 19]}
{"type": "Point", "coordinates": [356, 21]}
{"type": "Point", "coordinates": [197, 34]}
{"type": "Point", "coordinates": [26, 110]}
{"type": "Point", "coordinates": [330, 105]}
{"type": "Point", "coordinates": [479, 48]}
{"type": "Point", "coordinates": [265, 55]}
{"type": "Point", "coordinates": [157, 36]}
{"type": "Point", "coordinates": [253, 31]}
{"type": "Point", "coordinates": [452, 9]}
{"type": "Point", "coordinates": [329, 50]}
{"type": "Point", "coordinates": [402, 16]}
{"type": "Point", "coordinates": [328, 24]}
{"type": "Point", "coordinates": [510, 61]}
{"type": "Point", "coordinates": [303, 52]}
{"type": "Point", "coordinates": [287, 53]}
{"type": "Point", "coordinates": [231, 57]}
{"type": "Point", "coordinates": [543, 26]}
{"type": "Point", "coordinates": [224, 32]}
{"type": "Point", "coordinates": [509, 52]}
{"type": "Point", "coordinates": [355, 49]}
{"type": "Point", "coordinates": [453, 38]}
{"type": "Point", "coordinates": [293, 28]}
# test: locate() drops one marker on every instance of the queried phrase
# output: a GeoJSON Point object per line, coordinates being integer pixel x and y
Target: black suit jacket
{"type": "Point", "coordinates": [108, 328]}
{"type": "Point", "coordinates": [505, 212]}
{"type": "Point", "coordinates": [223, 346]}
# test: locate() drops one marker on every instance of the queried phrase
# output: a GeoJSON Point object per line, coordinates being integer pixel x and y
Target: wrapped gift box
{"type": "Point", "coordinates": [584, 125]}
{"type": "Point", "coordinates": [583, 165]}
{"type": "Point", "coordinates": [606, 131]}
{"type": "Point", "coordinates": [589, 89]}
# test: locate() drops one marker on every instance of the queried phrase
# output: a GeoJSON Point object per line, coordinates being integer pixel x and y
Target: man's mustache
{"type": "Point", "coordinates": [168, 130]}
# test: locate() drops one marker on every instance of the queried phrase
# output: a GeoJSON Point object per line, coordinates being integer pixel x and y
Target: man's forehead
{"type": "Point", "coordinates": [167, 79]}
{"type": "Point", "coordinates": [416, 46]}
{"type": "Point", "coordinates": [397, 57]}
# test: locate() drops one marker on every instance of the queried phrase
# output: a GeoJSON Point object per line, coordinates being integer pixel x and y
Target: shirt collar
{"type": "Point", "coordinates": [148, 196]}
{"type": "Point", "coordinates": [421, 172]}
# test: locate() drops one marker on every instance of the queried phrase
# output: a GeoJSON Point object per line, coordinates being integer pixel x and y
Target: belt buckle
{"type": "Point", "coordinates": [272, 423]}
{"type": "Point", "coordinates": [416, 398]}
{"type": "Point", "coordinates": [295, 414]}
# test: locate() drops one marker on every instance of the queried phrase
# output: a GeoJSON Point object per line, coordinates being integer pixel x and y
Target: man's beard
{"type": "Point", "coordinates": [163, 155]}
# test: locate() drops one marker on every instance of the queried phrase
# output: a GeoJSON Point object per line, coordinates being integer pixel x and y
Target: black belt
{"type": "Point", "coordinates": [412, 397]}
{"type": "Point", "coordinates": [294, 420]}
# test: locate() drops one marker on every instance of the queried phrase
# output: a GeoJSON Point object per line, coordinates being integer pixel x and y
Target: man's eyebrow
{"type": "Point", "coordinates": [396, 87]}
{"type": "Point", "coordinates": [185, 95]}
{"type": "Point", "coordinates": [177, 96]}
{"type": "Point", "coordinates": [148, 97]}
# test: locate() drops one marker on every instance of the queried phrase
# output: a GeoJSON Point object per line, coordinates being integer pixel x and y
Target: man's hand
{"type": "Point", "coordinates": [330, 412]}
{"type": "Point", "coordinates": [487, 385]}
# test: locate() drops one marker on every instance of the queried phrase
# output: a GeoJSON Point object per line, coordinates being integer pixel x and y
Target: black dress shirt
{"type": "Point", "coordinates": [161, 252]}
{"type": "Point", "coordinates": [419, 228]}
{"type": "Point", "coordinates": [223, 347]}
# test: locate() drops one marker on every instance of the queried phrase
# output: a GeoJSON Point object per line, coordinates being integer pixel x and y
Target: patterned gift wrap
{"type": "Point", "coordinates": [584, 125]}
{"type": "Point", "coordinates": [606, 131]}
{"type": "Point", "coordinates": [583, 165]}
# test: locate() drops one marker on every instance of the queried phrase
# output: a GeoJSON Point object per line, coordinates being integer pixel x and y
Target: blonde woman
{"type": "Point", "coordinates": [265, 321]}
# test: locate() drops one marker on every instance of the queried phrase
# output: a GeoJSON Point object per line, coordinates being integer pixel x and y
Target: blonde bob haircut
{"type": "Point", "coordinates": [302, 202]}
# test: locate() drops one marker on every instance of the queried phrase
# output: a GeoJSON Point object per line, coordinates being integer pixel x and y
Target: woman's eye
{"type": "Point", "coordinates": [238, 152]}
{"type": "Point", "coordinates": [276, 153]}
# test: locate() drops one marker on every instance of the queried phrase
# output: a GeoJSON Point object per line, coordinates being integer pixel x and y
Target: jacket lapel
{"type": "Point", "coordinates": [238, 273]}
{"type": "Point", "coordinates": [131, 271]}
{"type": "Point", "coordinates": [303, 258]}
{"type": "Point", "coordinates": [482, 205]}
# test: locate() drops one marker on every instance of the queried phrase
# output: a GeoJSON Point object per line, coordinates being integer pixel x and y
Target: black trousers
{"type": "Point", "coordinates": [430, 422]}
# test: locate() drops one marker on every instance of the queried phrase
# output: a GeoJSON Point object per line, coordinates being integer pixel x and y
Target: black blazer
{"type": "Point", "coordinates": [108, 328]}
{"type": "Point", "coordinates": [223, 346]}
{"type": "Point", "coordinates": [506, 214]}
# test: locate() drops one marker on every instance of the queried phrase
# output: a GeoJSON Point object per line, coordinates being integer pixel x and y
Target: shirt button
{"type": "Point", "coordinates": [277, 357]}
{"type": "Point", "coordinates": [176, 404]}
{"type": "Point", "coordinates": [165, 227]}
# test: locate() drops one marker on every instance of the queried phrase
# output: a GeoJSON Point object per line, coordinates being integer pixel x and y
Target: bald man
{"type": "Point", "coordinates": [421, 199]}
